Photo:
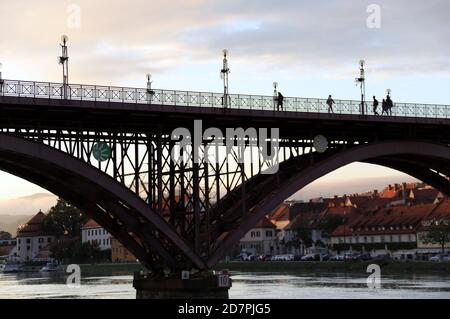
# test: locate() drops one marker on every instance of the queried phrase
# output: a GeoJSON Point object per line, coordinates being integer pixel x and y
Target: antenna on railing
{"type": "Point", "coordinates": [224, 75]}
{"type": "Point", "coordinates": [64, 61]}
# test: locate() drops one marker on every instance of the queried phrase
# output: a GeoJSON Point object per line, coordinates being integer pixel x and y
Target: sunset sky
{"type": "Point", "coordinates": [311, 48]}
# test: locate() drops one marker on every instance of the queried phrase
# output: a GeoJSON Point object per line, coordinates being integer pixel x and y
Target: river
{"type": "Point", "coordinates": [245, 286]}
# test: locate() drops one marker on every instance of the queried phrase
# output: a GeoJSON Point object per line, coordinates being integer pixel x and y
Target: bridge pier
{"type": "Point", "coordinates": [203, 286]}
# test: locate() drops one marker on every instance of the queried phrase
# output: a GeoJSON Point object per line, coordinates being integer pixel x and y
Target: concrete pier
{"type": "Point", "coordinates": [203, 286]}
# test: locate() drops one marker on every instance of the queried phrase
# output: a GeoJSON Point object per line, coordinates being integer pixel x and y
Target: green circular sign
{"type": "Point", "coordinates": [101, 151]}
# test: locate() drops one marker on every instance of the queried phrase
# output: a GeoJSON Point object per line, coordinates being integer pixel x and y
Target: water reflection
{"type": "Point", "coordinates": [245, 285]}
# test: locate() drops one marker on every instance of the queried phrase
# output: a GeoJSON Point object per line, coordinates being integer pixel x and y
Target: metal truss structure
{"type": "Point", "coordinates": [189, 214]}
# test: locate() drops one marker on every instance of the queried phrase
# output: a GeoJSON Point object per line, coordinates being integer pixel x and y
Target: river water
{"type": "Point", "coordinates": [245, 286]}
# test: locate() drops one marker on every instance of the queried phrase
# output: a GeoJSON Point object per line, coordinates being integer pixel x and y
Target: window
{"type": "Point", "coordinates": [28, 248]}
{"type": "Point", "coordinates": [269, 233]}
{"type": "Point", "coordinates": [49, 240]}
{"type": "Point", "coordinates": [19, 241]}
{"type": "Point", "coordinates": [28, 240]}
{"type": "Point", "coordinates": [40, 240]}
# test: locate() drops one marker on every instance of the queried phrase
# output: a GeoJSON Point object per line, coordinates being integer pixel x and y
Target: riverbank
{"type": "Point", "coordinates": [394, 267]}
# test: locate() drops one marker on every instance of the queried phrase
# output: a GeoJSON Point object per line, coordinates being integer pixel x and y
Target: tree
{"type": "Point", "coordinates": [4, 235]}
{"type": "Point", "coordinates": [330, 223]}
{"type": "Point", "coordinates": [304, 233]}
{"type": "Point", "coordinates": [70, 250]}
{"type": "Point", "coordinates": [64, 219]}
{"type": "Point", "coordinates": [438, 233]}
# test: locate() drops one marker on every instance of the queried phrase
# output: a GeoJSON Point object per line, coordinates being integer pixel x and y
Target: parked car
{"type": "Point", "coordinates": [383, 257]}
{"type": "Point", "coordinates": [325, 257]}
{"type": "Point", "coordinates": [363, 257]}
{"type": "Point", "coordinates": [440, 257]}
{"type": "Point", "coordinates": [251, 257]}
{"type": "Point", "coordinates": [310, 257]}
{"type": "Point", "coordinates": [265, 257]}
{"type": "Point", "coordinates": [283, 258]}
{"type": "Point", "coordinates": [337, 258]}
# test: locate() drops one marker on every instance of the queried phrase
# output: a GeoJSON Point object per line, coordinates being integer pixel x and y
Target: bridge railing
{"type": "Point", "coordinates": [100, 93]}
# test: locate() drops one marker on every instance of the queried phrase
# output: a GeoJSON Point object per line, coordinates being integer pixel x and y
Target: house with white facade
{"type": "Point", "coordinates": [93, 233]}
{"type": "Point", "coordinates": [32, 238]}
{"type": "Point", "coordinates": [261, 239]}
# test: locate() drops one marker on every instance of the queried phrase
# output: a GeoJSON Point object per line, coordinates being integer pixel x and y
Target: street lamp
{"type": "Point", "coordinates": [224, 73]}
{"type": "Point", "coordinates": [150, 92]}
{"type": "Point", "coordinates": [275, 94]}
{"type": "Point", "coordinates": [362, 82]}
{"type": "Point", "coordinates": [64, 61]}
{"type": "Point", "coordinates": [1, 79]}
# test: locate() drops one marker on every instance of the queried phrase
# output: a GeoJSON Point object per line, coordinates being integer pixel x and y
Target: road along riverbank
{"type": "Point", "coordinates": [394, 267]}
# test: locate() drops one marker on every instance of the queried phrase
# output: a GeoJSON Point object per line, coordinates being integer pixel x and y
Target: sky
{"type": "Point", "coordinates": [311, 48]}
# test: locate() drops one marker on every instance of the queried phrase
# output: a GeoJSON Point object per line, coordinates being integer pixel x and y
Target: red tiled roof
{"type": "Point", "coordinates": [393, 220]}
{"type": "Point", "coordinates": [91, 224]}
{"type": "Point", "coordinates": [441, 212]}
{"type": "Point", "coordinates": [280, 213]}
{"type": "Point", "coordinates": [307, 218]}
{"type": "Point", "coordinates": [265, 223]}
{"type": "Point", "coordinates": [425, 195]}
{"type": "Point", "coordinates": [33, 227]}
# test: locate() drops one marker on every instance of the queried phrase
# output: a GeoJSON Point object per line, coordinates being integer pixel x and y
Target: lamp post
{"type": "Point", "coordinates": [362, 82]}
{"type": "Point", "coordinates": [64, 61]}
{"type": "Point", "coordinates": [150, 92]}
{"type": "Point", "coordinates": [275, 94]}
{"type": "Point", "coordinates": [1, 80]}
{"type": "Point", "coordinates": [224, 73]}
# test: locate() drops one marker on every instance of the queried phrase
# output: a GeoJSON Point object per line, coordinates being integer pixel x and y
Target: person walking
{"type": "Point", "coordinates": [330, 103]}
{"type": "Point", "coordinates": [375, 106]}
{"type": "Point", "coordinates": [280, 100]}
{"type": "Point", "coordinates": [389, 104]}
{"type": "Point", "coordinates": [384, 107]}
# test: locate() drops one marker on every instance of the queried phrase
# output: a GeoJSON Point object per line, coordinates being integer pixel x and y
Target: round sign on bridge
{"type": "Point", "coordinates": [101, 151]}
{"type": "Point", "coordinates": [320, 143]}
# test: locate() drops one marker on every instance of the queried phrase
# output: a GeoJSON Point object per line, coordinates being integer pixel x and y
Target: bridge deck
{"type": "Point", "coordinates": [138, 96]}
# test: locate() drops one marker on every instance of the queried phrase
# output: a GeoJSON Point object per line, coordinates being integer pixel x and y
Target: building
{"type": "Point", "coordinates": [440, 215]}
{"type": "Point", "coordinates": [383, 231]}
{"type": "Point", "coordinates": [119, 253]}
{"type": "Point", "coordinates": [32, 238]}
{"type": "Point", "coordinates": [261, 239]}
{"type": "Point", "coordinates": [93, 233]}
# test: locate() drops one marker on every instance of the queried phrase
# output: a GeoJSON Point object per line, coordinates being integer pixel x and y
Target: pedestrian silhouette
{"type": "Point", "coordinates": [280, 100]}
{"type": "Point", "coordinates": [389, 104]}
{"type": "Point", "coordinates": [384, 107]}
{"type": "Point", "coordinates": [330, 103]}
{"type": "Point", "coordinates": [375, 106]}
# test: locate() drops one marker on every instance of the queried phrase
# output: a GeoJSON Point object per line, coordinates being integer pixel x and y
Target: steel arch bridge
{"type": "Point", "coordinates": [184, 215]}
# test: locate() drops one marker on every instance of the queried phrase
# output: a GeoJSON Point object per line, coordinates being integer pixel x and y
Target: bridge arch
{"type": "Point", "coordinates": [295, 177]}
{"type": "Point", "coordinates": [126, 216]}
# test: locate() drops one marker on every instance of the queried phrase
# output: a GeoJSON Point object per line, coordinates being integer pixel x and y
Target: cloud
{"type": "Point", "coordinates": [119, 39]}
